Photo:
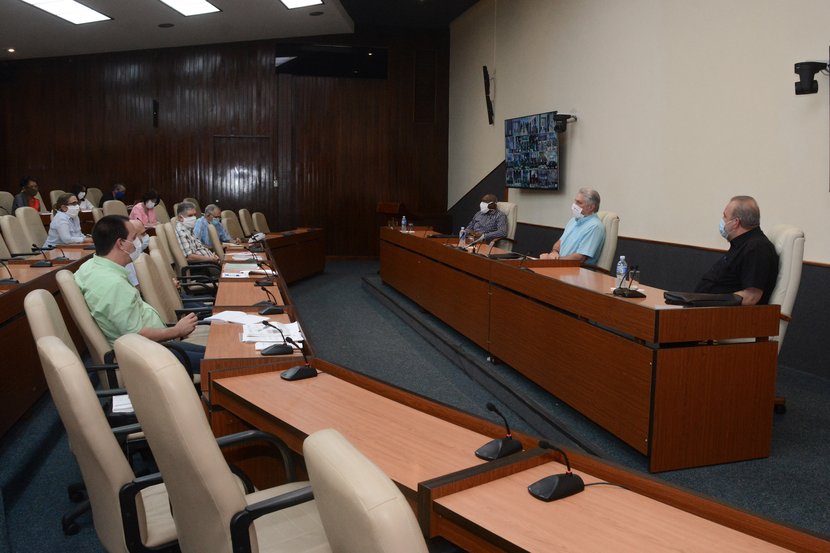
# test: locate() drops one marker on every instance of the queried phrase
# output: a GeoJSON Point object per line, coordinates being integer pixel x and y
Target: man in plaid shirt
{"type": "Point", "coordinates": [194, 250]}
{"type": "Point", "coordinates": [488, 223]}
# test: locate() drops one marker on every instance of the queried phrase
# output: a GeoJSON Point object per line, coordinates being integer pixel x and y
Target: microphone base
{"type": "Point", "coordinates": [278, 349]}
{"type": "Point", "coordinates": [9, 281]}
{"type": "Point", "coordinates": [271, 310]}
{"type": "Point", "coordinates": [61, 258]}
{"type": "Point", "coordinates": [264, 282]}
{"type": "Point", "coordinates": [299, 372]}
{"type": "Point", "coordinates": [628, 293]}
{"type": "Point", "coordinates": [556, 487]}
{"type": "Point", "coordinates": [42, 264]}
{"type": "Point", "coordinates": [498, 448]}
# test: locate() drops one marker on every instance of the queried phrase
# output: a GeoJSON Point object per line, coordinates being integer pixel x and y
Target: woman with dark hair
{"type": "Point", "coordinates": [80, 192]}
{"type": "Point", "coordinates": [65, 227]}
{"type": "Point", "coordinates": [143, 211]}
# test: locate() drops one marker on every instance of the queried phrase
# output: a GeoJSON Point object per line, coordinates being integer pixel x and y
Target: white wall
{"type": "Point", "coordinates": [681, 105]}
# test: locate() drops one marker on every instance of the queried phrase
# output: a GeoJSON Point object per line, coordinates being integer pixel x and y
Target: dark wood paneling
{"type": "Point", "coordinates": [336, 147]}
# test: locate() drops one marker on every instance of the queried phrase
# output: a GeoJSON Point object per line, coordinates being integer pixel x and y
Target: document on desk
{"type": "Point", "coordinates": [244, 270]}
{"type": "Point", "coordinates": [255, 333]}
{"type": "Point", "coordinates": [239, 317]}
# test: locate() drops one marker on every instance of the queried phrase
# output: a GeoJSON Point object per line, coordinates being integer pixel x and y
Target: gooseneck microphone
{"type": "Point", "coordinates": [299, 372]}
{"type": "Point", "coordinates": [269, 279]}
{"type": "Point", "coordinates": [556, 486]}
{"type": "Point", "coordinates": [269, 307]}
{"type": "Point", "coordinates": [45, 262]}
{"type": "Point", "coordinates": [11, 279]}
{"type": "Point", "coordinates": [500, 447]}
{"type": "Point", "coordinates": [277, 349]}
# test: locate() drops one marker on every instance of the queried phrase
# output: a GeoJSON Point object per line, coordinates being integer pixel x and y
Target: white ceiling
{"type": "Point", "coordinates": [135, 26]}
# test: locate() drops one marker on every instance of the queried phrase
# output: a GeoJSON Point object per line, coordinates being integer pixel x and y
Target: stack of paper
{"type": "Point", "coordinates": [254, 333]}
{"type": "Point", "coordinates": [239, 317]}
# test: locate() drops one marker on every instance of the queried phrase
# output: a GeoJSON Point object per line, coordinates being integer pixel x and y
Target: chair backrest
{"type": "Point", "coordinates": [151, 284]}
{"type": "Point", "coordinates": [43, 208]}
{"type": "Point", "coordinates": [789, 244]}
{"type": "Point", "coordinates": [159, 243]}
{"type": "Point", "coordinates": [94, 339]}
{"type": "Point", "coordinates": [16, 239]}
{"type": "Point", "coordinates": [103, 466]}
{"type": "Point", "coordinates": [4, 250]}
{"type": "Point", "coordinates": [94, 196]}
{"type": "Point", "coordinates": [54, 195]}
{"type": "Point", "coordinates": [203, 492]}
{"type": "Point", "coordinates": [6, 202]}
{"type": "Point", "coordinates": [612, 227]}
{"type": "Point", "coordinates": [45, 318]}
{"type": "Point", "coordinates": [195, 202]}
{"type": "Point", "coordinates": [97, 213]}
{"type": "Point", "coordinates": [246, 221]}
{"type": "Point", "coordinates": [260, 222]}
{"type": "Point", "coordinates": [176, 209]}
{"type": "Point", "coordinates": [216, 243]}
{"type": "Point", "coordinates": [179, 260]}
{"type": "Point", "coordinates": [161, 212]}
{"type": "Point", "coordinates": [362, 510]}
{"type": "Point", "coordinates": [115, 207]}
{"type": "Point", "coordinates": [164, 270]}
{"type": "Point", "coordinates": [33, 228]}
{"type": "Point", "coordinates": [511, 211]}
{"type": "Point", "coordinates": [231, 224]}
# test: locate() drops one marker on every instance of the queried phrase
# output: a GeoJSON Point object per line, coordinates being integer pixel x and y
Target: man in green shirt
{"type": "Point", "coordinates": [114, 302]}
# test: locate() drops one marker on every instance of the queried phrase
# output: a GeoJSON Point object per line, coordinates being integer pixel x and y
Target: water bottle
{"type": "Point", "coordinates": [622, 271]}
{"type": "Point", "coordinates": [462, 238]}
{"type": "Point", "coordinates": [403, 223]}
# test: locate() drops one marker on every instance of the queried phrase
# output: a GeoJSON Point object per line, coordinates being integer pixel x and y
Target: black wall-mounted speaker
{"type": "Point", "coordinates": [487, 100]}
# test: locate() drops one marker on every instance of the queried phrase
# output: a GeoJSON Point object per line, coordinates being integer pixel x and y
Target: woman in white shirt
{"type": "Point", "coordinates": [65, 227]}
{"type": "Point", "coordinates": [80, 192]}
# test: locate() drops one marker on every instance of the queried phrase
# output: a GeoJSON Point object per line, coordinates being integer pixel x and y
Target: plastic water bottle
{"type": "Point", "coordinates": [403, 223]}
{"type": "Point", "coordinates": [622, 271]}
{"type": "Point", "coordinates": [462, 237]}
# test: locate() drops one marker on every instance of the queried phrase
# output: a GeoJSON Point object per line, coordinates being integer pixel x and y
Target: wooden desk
{"type": "Point", "coordinates": [299, 253]}
{"type": "Point", "coordinates": [485, 506]}
{"type": "Point", "coordinates": [638, 367]}
{"type": "Point", "coordinates": [242, 293]}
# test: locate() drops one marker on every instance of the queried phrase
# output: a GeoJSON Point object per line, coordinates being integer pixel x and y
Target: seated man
{"type": "Point", "coordinates": [584, 234]}
{"type": "Point", "coordinates": [118, 192]}
{"type": "Point", "coordinates": [114, 302]}
{"type": "Point", "coordinates": [194, 250]}
{"type": "Point", "coordinates": [211, 217]}
{"type": "Point", "coordinates": [750, 267]}
{"type": "Point", "coordinates": [488, 223]}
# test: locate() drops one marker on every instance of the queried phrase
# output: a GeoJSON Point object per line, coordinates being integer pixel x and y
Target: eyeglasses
{"type": "Point", "coordinates": [73, 203]}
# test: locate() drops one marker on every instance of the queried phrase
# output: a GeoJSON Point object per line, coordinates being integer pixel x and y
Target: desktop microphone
{"type": "Point", "coordinates": [11, 279]}
{"type": "Point", "coordinates": [556, 486]}
{"type": "Point", "coordinates": [268, 280]}
{"type": "Point", "coordinates": [45, 262]}
{"type": "Point", "coordinates": [62, 256]}
{"type": "Point", "coordinates": [522, 262]}
{"type": "Point", "coordinates": [277, 349]}
{"type": "Point", "coordinates": [500, 447]}
{"type": "Point", "coordinates": [299, 372]}
{"type": "Point", "coordinates": [269, 307]}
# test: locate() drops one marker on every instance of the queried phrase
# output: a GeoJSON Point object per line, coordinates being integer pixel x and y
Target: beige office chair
{"type": "Point", "coordinates": [32, 226]}
{"type": "Point", "coordinates": [189, 273]}
{"type": "Point", "coordinates": [612, 226]}
{"type": "Point", "coordinates": [6, 203]}
{"type": "Point", "coordinates": [54, 195]}
{"type": "Point", "coordinates": [201, 487]}
{"type": "Point", "coordinates": [94, 196]}
{"type": "Point", "coordinates": [216, 243]}
{"type": "Point", "coordinates": [106, 473]}
{"type": "Point", "coordinates": [260, 222]}
{"type": "Point", "coordinates": [16, 239]}
{"type": "Point", "coordinates": [247, 222]}
{"type": "Point", "coordinates": [4, 253]}
{"type": "Point", "coordinates": [115, 207]}
{"type": "Point", "coordinates": [175, 212]}
{"type": "Point", "coordinates": [159, 243]}
{"type": "Point", "coordinates": [231, 224]}
{"type": "Point", "coordinates": [161, 212]}
{"type": "Point", "coordinates": [511, 211]}
{"type": "Point", "coordinates": [195, 203]}
{"type": "Point", "coordinates": [362, 510]}
{"type": "Point", "coordinates": [97, 213]}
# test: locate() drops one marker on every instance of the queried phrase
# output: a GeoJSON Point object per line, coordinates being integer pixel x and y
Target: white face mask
{"type": "Point", "coordinates": [189, 222]}
{"type": "Point", "coordinates": [577, 211]}
{"type": "Point", "coordinates": [73, 211]}
{"type": "Point", "coordinates": [136, 252]}
{"type": "Point", "coordinates": [483, 206]}
{"type": "Point", "coordinates": [81, 196]}
{"type": "Point", "coordinates": [150, 204]}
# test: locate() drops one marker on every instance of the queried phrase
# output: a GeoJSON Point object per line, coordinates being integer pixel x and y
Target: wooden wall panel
{"type": "Point", "coordinates": [336, 147]}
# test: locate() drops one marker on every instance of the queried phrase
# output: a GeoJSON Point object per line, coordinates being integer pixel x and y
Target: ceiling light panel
{"type": "Point", "coordinates": [69, 10]}
{"type": "Point", "coordinates": [293, 4]}
{"type": "Point", "coordinates": [191, 7]}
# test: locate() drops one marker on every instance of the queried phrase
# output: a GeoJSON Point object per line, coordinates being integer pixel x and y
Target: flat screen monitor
{"type": "Point", "coordinates": [532, 152]}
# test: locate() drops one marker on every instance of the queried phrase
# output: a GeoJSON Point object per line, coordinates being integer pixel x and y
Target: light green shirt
{"type": "Point", "coordinates": [114, 303]}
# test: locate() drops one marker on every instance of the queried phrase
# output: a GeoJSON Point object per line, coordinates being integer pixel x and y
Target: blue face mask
{"type": "Point", "coordinates": [119, 195]}
{"type": "Point", "coordinates": [722, 229]}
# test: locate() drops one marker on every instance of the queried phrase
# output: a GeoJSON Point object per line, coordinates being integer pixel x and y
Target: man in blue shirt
{"type": "Point", "coordinates": [211, 217]}
{"type": "Point", "coordinates": [584, 234]}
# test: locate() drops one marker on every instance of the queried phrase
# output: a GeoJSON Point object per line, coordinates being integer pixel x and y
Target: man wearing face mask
{"type": "Point", "coordinates": [118, 192]}
{"type": "Point", "coordinates": [584, 234]}
{"type": "Point", "coordinates": [488, 223]}
{"type": "Point", "coordinates": [211, 217]}
{"type": "Point", "coordinates": [114, 302]}
{"type": "Point", "coordinates": [194, 250]}
{"type": "Point", "coordinates": [143, 211]}
{"type": "Point", "coordinates": [750, 267]}
{"type": "Point", "coordinates": [65, 227]}
{"type": "Point", "coordinates": [27, 195]}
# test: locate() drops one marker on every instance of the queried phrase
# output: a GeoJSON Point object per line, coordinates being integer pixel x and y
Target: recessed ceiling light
{"type": "Point", "coordinates": [191, 7]}
{"type": "Point", "coordinates": [70, 10]}
{"type": "Point", "coordinates": [294, 4]}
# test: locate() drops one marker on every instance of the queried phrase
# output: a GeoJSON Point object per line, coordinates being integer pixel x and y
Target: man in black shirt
{"type": "Point", "coordinates": [750, 267]}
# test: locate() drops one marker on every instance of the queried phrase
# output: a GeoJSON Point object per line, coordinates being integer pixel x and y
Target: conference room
{"type": "Point", "coordinates": [334, 126]}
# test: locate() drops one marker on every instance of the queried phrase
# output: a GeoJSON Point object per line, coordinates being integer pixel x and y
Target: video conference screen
{"type": "Point", "coordinates": [532, 152]}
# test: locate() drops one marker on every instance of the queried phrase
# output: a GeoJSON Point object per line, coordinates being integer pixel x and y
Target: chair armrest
{"type": "Point", "coordinates": [241, 521]}
{"type": "Point", "coordinates": [130, 518]}
{"type": "Point", "coordinates": [258, 435]}
{"type": "Point", "coordinates": [203, 311]}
